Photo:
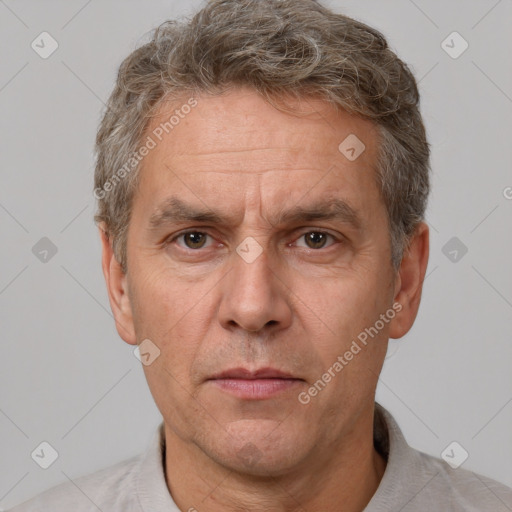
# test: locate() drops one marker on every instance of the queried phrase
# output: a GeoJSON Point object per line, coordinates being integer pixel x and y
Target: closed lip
{"type": "Point", "coordinates": [261, 373]}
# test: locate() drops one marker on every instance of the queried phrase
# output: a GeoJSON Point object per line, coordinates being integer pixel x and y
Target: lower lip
{"type": "Point", "coordinates": [256, 389]}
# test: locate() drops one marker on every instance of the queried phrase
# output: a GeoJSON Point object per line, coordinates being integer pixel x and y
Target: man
{"type": "Point", "coordinates": [262, 178]}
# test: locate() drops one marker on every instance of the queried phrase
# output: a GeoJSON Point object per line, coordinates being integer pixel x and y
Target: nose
{"type": "Point", "coordinates": [255, 295]}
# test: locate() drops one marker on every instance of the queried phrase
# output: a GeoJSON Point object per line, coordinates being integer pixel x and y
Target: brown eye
{"type": "Point", "coordinates": [194, 239]}
{"type": "Point", "coordinates": [316, 239]}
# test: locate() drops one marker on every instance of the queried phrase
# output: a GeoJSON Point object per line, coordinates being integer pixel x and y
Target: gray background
{"type": "Point", "coordinates": [65, 375]}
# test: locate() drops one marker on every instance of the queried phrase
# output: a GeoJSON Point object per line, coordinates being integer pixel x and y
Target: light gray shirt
{"type": "Point", "coordinates": [413, 481]}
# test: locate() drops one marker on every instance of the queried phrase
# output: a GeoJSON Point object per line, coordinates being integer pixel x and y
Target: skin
{"type": "Point", "coordinates": [296, 307]}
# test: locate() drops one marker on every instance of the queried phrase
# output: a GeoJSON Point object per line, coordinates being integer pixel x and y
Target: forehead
{"type": "Point", "coordinates": [245, 147]}
{"type": "Point", "coordinates": [208, 128]}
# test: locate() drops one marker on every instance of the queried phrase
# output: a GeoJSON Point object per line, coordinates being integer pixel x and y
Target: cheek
{"type": "Point", "coordinates": [342, 302]}
{"type": "Point", "coordinates": [172, 315]}
{"type": "Point", "coordinates": [162, 299]}
{"type": "Point", "coordinates": [342, 309]}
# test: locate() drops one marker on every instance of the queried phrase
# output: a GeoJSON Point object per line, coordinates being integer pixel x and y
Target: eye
{"type": "Point", "coordinates": [192, 239]}
{"type": "Point", "coordinates": [316, 239]}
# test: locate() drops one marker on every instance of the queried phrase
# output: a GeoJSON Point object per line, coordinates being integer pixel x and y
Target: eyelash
{"type": "Point", "coordinates": [318, 231]}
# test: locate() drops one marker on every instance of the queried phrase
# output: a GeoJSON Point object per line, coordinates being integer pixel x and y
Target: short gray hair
{"type": "Point", "coordinates": [280, 48]}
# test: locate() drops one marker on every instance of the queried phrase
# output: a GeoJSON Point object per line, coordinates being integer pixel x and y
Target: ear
{"type": "Point", "coordinates": [117, 288]}
{"type": "Point", "coordinates": [409, 282]}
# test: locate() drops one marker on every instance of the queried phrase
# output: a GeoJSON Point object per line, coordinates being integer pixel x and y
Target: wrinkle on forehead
{"type": "Point", "coordinates": [258, 161]}
{"type": "Point", "coordinates": [258, 172]}
{"type": "Point", "coordinates": [242, 150]}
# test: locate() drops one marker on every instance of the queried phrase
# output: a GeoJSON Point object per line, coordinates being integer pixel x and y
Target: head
{"type": "Point", "coordinates": [262, 177]}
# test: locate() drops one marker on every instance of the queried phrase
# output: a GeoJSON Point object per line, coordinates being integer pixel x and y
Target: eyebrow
{"type": "Point", "coordinates": [174, 211]}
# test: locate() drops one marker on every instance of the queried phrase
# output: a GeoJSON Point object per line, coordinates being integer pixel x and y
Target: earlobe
{"type": "Point", "coordinates": [409, 281]}
{"type": "Point", "coordinates": [117, 288]}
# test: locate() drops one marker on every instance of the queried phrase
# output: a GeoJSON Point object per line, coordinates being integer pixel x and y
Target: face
{"type": "Point", "coordinates": [258, 253]}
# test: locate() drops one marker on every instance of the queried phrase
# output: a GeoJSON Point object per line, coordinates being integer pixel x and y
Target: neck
{"type": "Point", "coordinates": [342, 478]}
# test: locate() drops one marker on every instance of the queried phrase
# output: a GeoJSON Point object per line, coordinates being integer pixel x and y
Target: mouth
{"type": "Point", "coordinates": [255, 385]}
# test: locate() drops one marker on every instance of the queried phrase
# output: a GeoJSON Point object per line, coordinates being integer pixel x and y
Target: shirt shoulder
{"type": "Point", "coordinates": [459, 489]}
{"type": "Point", "coordinates": [415, 481]}
{"type": "Point", "coordinates": [111, 488]}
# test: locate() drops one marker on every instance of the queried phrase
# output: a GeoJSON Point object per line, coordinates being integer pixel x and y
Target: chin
{"type": "Point", "coordinates": [260, 448]}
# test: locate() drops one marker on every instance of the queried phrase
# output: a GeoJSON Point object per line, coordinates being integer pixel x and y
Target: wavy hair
{"type": "Point", "coordinates": [280, 48]}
